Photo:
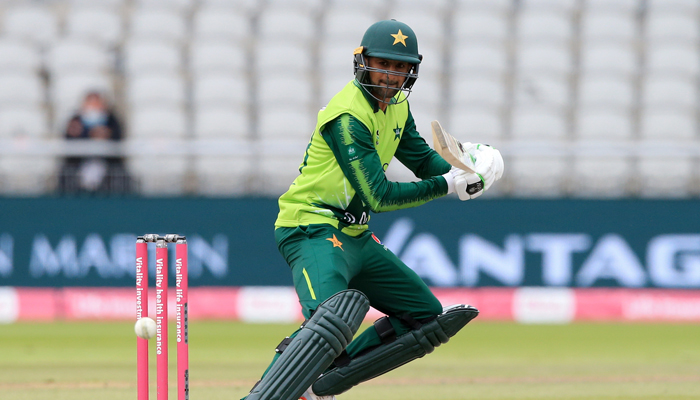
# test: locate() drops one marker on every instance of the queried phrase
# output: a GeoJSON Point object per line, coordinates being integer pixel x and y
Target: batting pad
{"type": "Point", "coordinates": [405, 348]}
{"type": "Point", "coordinates": [313, 349]}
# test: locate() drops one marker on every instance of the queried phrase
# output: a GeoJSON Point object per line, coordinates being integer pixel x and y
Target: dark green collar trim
{"type": "Point", "coordinates": [371, 100]}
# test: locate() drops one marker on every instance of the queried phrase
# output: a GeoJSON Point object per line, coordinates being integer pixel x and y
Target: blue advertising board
{"type": "Point", "coordinates": [484, 242]}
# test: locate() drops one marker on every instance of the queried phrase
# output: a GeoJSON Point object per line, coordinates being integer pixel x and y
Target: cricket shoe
{"type": "Point", "coordinates": [309, 395]}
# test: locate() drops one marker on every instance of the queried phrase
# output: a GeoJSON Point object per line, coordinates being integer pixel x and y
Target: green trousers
{"type": "Point", "coordinates": [325, 261]}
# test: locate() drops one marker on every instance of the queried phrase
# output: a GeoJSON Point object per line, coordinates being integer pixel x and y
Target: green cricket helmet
{"type": "Point", "coordinates": [391, 40]}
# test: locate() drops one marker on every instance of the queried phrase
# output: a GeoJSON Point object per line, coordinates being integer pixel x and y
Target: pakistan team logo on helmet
{"type": "Point", "coordinates": [391, 40]}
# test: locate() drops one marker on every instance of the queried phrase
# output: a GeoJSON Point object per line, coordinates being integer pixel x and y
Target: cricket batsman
{"type": "Point", "coordinates": [339, 267]}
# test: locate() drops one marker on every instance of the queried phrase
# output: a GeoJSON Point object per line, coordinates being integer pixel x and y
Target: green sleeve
{"type": "Point", "coordinates": [416, 155]}
{"type": "Point", "coordinates": [351, 143]}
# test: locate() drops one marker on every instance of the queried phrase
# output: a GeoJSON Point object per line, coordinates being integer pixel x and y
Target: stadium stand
{"type": "Point", "coordinates": [228, 24]}
{"type": "Point", "coordinates": [77, 55]}
{"type": "Point", "coordinates": [603, 123]}
{"type": "Point", "coordinates": [211, 56]}
{"type": "Point", "coordinates": [480, 124]}
{"type": "Point", "coordinates": [18, 88]}
{"type": "Point", "coordinates": [158, 23]}
{"type": "Point", "coordinates": [155, 89]}
{"type": "Point", "coordinates": [612, 5]}
{"type": "Point", "coordinates": [608, 26]}
{"type": "Point", "coordinates": [480, 24]}
{"type": "Point", "coordinates": [221, 122]}
{"type": "Point", "coordinates": [34, 23]}
{"type": "Point", "coordinates": [140, 56]}
{"type": "Point", "coordinates": [18, 55]}
{"type": "Point", "coordinates": [96, 23]}
{"type": "Point", "coordinates": [601, 90]}
{"type": "Point", "coordinates": [224, 92]}
{"type": "Point", "coordinates": [222, 88]}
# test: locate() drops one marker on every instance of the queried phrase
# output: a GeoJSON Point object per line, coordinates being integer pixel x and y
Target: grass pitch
{"type": "Point", "coordinates": [79, 361]}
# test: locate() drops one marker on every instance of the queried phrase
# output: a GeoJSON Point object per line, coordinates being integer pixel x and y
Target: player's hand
{"type": "Point", "coordinates": [467, 185]}
{"type": "Point", "coordinates": [489, 164]}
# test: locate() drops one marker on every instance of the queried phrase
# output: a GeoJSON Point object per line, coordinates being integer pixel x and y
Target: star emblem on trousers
{"type": "Point", "coordinates": [336, 242]}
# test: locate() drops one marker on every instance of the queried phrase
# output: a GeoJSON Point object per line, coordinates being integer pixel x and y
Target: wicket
{"type": "Point", "coordinates": [181, 287]}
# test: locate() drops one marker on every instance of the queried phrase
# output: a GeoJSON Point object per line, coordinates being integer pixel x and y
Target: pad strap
{"type": "Point", "coordinates": [283, 344]}
{"type": "Point", "coordinates": [342, 360]}
{"type": "Point", "coordinates": [411, 322]}
{"type": "Point", "coordinates": [385, 330]}
{"type": "Point", "coordinates": [388, 356]}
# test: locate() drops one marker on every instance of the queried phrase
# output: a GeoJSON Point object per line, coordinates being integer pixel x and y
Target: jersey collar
{"type": "Point", "coordinates": [372, 102]}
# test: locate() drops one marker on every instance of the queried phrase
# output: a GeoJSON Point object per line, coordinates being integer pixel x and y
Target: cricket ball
{"type": "Point", "coordinates": [145, 328]}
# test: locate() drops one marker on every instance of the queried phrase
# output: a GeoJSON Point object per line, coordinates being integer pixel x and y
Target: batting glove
{"type": "Point", "coordinates": [467, 185]}
{"type": "Point", "coordinates": [469, 156]}
{"type": "Point", "coordinates": [489, 164]}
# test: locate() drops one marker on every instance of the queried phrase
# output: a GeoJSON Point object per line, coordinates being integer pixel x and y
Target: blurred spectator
{"type": "Point", "coordinates": [94, 121]}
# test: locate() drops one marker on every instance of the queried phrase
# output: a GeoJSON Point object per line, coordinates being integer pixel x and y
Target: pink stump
{"type": "Point", "coordinates": [162, 319]}
{"type": "Point", "coordinates": [141, 311]}
{"type": "Point", "coordinates": [181, 282]}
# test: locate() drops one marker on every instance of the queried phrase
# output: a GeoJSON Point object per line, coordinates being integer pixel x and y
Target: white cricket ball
{"type": "Point", "coordinates": [145, 328]}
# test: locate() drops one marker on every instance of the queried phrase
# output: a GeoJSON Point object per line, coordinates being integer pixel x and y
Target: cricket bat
{"type": "Point", "coordinates": [449, 148]}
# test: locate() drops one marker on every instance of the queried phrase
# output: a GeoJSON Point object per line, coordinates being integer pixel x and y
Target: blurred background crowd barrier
{"type": "Point", "coordinates": [585, 98]}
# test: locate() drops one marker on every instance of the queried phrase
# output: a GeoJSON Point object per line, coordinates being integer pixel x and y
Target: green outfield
{"type": "Point", "coordinates": [485, 361]}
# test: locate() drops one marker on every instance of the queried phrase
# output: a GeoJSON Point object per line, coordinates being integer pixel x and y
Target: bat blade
{"type": "Point", "coordinates": [449, 148]}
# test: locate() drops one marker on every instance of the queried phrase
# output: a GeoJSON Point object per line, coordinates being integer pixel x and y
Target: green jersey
{"type": "Point", "coordinates": [342, 175]}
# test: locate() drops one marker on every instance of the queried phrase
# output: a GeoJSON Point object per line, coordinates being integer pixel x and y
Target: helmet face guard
{"type": "Point", "coordinates": [362, 71]}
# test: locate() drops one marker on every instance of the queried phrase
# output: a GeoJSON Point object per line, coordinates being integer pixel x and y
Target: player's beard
{"type": "Point", "coordinates": [385, 91]}
{"type": "Point", "coordinates": [384, 94]}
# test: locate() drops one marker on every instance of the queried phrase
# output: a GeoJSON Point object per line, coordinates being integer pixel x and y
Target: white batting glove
{"type": "Point", "coordinates": [469, 156]}
{"type": "Point", "coordinates": [467, 185]}
{"type": "Point", "coordinates": [489, 164]}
